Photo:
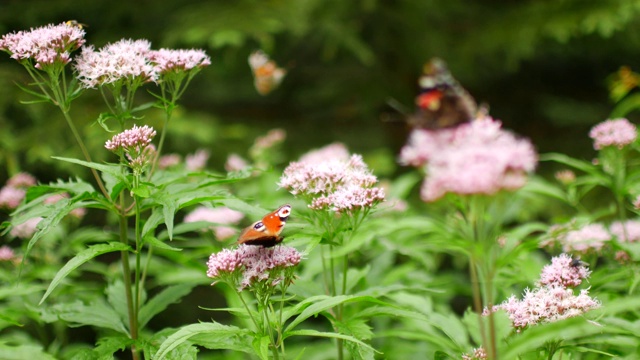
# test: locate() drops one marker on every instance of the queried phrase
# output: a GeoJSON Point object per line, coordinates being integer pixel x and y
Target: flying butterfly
{"type": "Point", "coordinates": [75, 23]}
{"type": "Point", "coordinates": [442, 102]}
{"type": "Point", "coordinates": [266, 74]}
{"type": "Point", "coordinates": [266, 232]}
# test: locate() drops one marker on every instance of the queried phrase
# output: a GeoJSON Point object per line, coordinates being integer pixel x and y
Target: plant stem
{"type": "Point", "coordinates": [126, 273]}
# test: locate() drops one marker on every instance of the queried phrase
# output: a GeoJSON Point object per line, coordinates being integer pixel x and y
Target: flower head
{"type": "Point", "coordinates": [616, 132]}
{"type": "Point", "coordinates": [6, 253]}
{"type": "Point", "coordinates": [134, 139]}
{"type": "Point", "coordinates": [565, 177]}
{"type": "Point", "coordinates": [546, 304]}
{"type": "Point", "coordinates": [125, 60]}
{"type": "Point", "coordinates": [169, 160]}
{"type": "Point", "coordinates": [253, 264]}
{"type": "Point", "coordinates": [564, 271]}
{"type": "Point", "coordinates": [628, 231]}
{"type": "Point", "coordinates": [341, 184]}
{"type": "Point", "coordinates": [235, 162]}
{"type": "Point", "coordinates": [171, 61]}
{"type": "Point", "coordinates": [26, 229]}
{"type": "Point", "coordinates": [197, 161]}
{"type": "Point", "coordinates": [46, 46]}
{"type": "Point", "coordinates": [473, 158]}
{"type": "Point", "coordinates": [21, 180]}
{"type": "Point", "coordinates": [219, 216]}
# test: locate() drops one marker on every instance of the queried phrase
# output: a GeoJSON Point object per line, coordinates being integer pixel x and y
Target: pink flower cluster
{"type": "Point", "coordinates": [221, 216]}
{"type": "Point", "coordinates": [6, 253]}
{"type": "Point", "coordinates": [627, 231]}
{"type": "Point", "coordinates": [478, 354]}
{"type": "Point", "coordinates": [169, 60]}
{"type": "Point", "coordinates": [615, 132]}
{"type": "Point", "coordinates": [332, 180]}
{"type": "Point", "coordinates": [134, 139]}
{"type": "Point", "coordinates": [575, 239]}
{"type": "Point", "coordinates": [553, 299]}
{"type": "Point", "coordinates": [46, 45]}
{"type": "Point", "coordinates": [253, 263]}
{"type": "Point", "coordinates": [26, 229]}
{"type": "Point", "coordinates": [12, 194]}
{"type": "Point", "coordinates": [563, 271]}
{"type": "Point", "coordinates": [197, 161]}
{"type": "Point", "coordinates": [474, 158]}
{"type": "Point", "coordinates": [125, 59]}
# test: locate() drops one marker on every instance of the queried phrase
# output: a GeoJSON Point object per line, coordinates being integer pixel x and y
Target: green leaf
{"type": "Point", "coordinates": [210, 335]}
{"type": "Point", "coordinates": [308, 332]}
{"type": "Point", "coordinates": [153, 241]}
{"type": "Point", "coordinates": [97, 313]}
{"type": "Point", "coordinates": [319, 306]}
{"type": "Point", "coordinates": [142, 191]}
{"type": "Point", "coordinates": [80, 259]}
{"type": "Point", "coordinates": [113, 170]}
{"type": "Point", "coordinates": [102, 120]}
{"type": "Point", "coordinates": [21, 352]}
{"type": "Point", "coordinates": [261, 346]}
{"type": "Point", "coordinates": [158, 303]}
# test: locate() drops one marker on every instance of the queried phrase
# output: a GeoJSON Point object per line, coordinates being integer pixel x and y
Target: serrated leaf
{"type": "Point", "coordinates": [328, 303]}
{"type": "Point", "coordinates": [21, 352]}
{"type": "Point", "coordinates": [153, 241]}
{"type": "Point", "coordinates": [261, 347]}
{"type": "Point", "coordinates": [158, 303]}
{"type": "Point", "coordinates": [308, 332]}
{"type": "Point", "coordinates": [80, 259]}
{"type": "Point", "coordinates": [210, 335]}
{"type": "Point", "coordinates": [97, 313]}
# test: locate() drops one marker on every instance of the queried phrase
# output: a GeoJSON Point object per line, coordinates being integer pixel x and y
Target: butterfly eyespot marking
{"type": "Point", "coordinates": [266, 232]}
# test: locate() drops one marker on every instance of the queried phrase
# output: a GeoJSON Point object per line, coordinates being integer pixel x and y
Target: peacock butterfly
{"type": "Point", "coordinates": [266, 232]}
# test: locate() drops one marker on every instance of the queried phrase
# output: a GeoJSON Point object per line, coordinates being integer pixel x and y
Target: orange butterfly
{"type": "Point", "coordinates": [266, 232]}
{"type": "Point", "coordinates": [266, 74]}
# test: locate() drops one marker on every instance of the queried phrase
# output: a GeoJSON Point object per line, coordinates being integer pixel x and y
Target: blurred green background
{"type": "Point", "coordinates": [542, 66]}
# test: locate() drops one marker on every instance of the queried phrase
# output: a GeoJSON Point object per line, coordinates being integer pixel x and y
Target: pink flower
{"type": "Point", "coordinates": [335, 152]}
{"type": "Point", "coordinates": [134, 139]}
{"type": "Point", "coordinates": [566, 177]}
{"type": "Point", "coordinates": [628, 231]}
{"type": "Point", "coordinates": [478, 354]}
{"type": "Point", "coordinates": [197, 161]}
{"type": "Point", "coordinates": [591, 237]}
{"type": "Point", "coordinates": [169, 160]}
{"type": "Point", "coordinates": [255, 263]}
{"type": "Point", "coordinates": [271, 139]}
{"type": "Point", "coordinates": [125, 60]}
{"type": "Point", "coordinates": [474, 158]}
{"type": "Point", "coordinates": [616, 132]}
{"type": "Point", "coordinates": [6, 253]}
{"type": "Point", "coordinates": [78, 213]}
{"type": "Point", "coordinates": [547, 304]}
{"type": "Point", "coordinates": [21, 180]}
{"type": "Point", "coordinates": [11, 197]}
{"type": "Point", "coordinates": [169, 60]}
{"type": "Point", "coordinates": [46, 46]}
{"type": "Point", "coordinates": [341, 184]}
{"type": "Point", "coordinates": [235, 162]}
{"type": "Point", "coordinates": [220, 216]}
{"type": "Point", "coordinates": [563, 271]}
{"type": "Point", "coordinates": [26, 229]}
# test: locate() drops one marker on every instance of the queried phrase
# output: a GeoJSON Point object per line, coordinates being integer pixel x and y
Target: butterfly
{"type": "Point", "coordinates": [75, 23]}
{"type": "Point", "coordinates": [266, 74]}
{"type": "Point", "coordinates": [442, 102]}
{"type": "Point", "coordinates": [266, 232]}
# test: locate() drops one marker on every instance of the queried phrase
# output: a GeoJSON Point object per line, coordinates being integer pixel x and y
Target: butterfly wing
{"type": "Point", "coordinates": [266, 232]}
{"type": "Point", "coordinates": [442, 101]}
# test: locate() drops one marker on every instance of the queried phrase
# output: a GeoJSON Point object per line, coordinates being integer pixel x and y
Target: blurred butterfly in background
{"type": "Point", "coordinates": [266, 232]}
{"type": "Point", "coordinates": [442, 101]}
{"type": "Point", "coordinates": [74, 23]}
{"type": "Point", "coordinates": [266, 74]}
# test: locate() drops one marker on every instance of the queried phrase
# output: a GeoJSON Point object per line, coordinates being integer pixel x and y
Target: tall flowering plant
{"type": "Point", "coordinates": [473, 165]}
{"type": "Point", "coordinates": [340, 191]}
{"type": "Point", "coordinates": [129, 189]}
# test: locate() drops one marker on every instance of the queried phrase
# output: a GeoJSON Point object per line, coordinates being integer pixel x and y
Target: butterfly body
{"type": "Point", "coordinates": [266, 232]}
{"type": "Point", "coordinates": [442, 101]}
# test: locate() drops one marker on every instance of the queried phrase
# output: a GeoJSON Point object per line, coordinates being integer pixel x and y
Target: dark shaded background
{"type": "Point", "coordinates": [540, 65]}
